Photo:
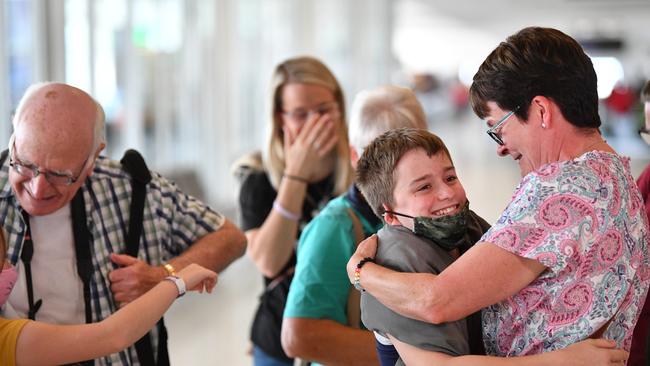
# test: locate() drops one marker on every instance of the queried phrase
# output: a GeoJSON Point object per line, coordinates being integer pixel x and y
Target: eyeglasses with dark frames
{"type": "Point", "coordinates": [493, 131]}
{"type": "Point", "coordinates": [301, 115]}
{"type": "Point", "coordinates": [31, 171]}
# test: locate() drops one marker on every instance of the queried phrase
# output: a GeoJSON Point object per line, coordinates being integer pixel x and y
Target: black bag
{"type": "Point", "coordinates": [267, 324]}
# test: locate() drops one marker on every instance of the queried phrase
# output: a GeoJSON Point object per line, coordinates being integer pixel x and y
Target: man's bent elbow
{"type": "Point", "coordinates": [240, 244]}
{"type": "Point", "coordinates": [235, 238]}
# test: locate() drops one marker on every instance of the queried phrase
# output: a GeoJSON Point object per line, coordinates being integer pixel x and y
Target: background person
{"type": "Point", "coordinates": [316, 324]}
{"type": "Point", "coordinates": [53, 166]}
{"type": "Point", "coordinates": [561, 264]}
{"type": "Point", "coordinates": [304, 165]}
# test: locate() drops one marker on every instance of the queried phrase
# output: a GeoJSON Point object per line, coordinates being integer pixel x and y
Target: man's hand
{"type": "Point", "coordinates": [367, 248]}
{"type": "Point", "coordinates": [133, 279]}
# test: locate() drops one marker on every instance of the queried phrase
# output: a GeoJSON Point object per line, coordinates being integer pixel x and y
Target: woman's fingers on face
{"type": "Point", "coordinates": [306, 132]}
{"type": "Point", "coordinates": [288, 141]}
{"type": "Point", "coordinates": [326, 133]}
{"type": "Point", "coordinates": [323, 126]}
{"type": "Point", "coordinates": [329, 145]}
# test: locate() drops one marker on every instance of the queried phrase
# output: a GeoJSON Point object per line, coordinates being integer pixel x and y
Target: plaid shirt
{"type": "Point", "coordinates": [172, 222]}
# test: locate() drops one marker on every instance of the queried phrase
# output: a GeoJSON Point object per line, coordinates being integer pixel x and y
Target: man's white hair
{"type": "Point", "coordinates": [379, 110]}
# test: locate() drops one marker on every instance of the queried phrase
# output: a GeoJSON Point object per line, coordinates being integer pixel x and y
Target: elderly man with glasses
{"type": "Point", "coordinates": [61, 201]}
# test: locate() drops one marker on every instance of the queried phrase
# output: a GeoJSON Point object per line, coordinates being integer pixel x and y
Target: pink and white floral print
{"type": "Point", "coordinates": [583, 220]}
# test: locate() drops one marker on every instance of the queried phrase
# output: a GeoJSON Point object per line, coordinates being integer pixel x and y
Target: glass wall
{"type": "Point", "coordinates": [185, 81]}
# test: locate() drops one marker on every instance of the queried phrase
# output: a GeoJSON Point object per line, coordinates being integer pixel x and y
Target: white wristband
{"type": "Point", "coordinates": [284, 212]}
{"type": "Point", "coordinates": [180, 284]}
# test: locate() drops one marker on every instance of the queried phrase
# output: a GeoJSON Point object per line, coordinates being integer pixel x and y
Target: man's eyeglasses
{"type": "Point", "coordinates": [301, 115]}
{"type": "Point", "coordinates": [645, 135]}
{"type": "Point", "coordinates": [31, 171]}
{"type": "Point", "coordinates": [494, 130]}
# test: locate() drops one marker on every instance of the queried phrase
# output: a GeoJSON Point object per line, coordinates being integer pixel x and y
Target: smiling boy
{"type": "Point", "coordinates": [407, 176]}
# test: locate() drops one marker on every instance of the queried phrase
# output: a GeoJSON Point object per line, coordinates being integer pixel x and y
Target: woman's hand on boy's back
{"type": "Point", "coordinates": [366, 249]}
{"type": "Point", "coordinates": [590, 352]}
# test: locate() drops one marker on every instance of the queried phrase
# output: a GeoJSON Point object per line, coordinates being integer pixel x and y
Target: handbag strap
{"type": "Point", "coordinates": [354, 296]}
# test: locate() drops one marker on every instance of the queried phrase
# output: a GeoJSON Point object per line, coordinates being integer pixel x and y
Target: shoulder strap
{"type": "Point", "coordinates": [26, 257]}
{"type": "Point", "coordinates": [354, 296]}
{"type": "Point", "coordinates": [357, 227]}
{"type": "Point", "coordinates": [135, 165]}
{"type": "Point", "coordinates": [3, 156]}
{"type": "Point", "coordinates": [82, 245]}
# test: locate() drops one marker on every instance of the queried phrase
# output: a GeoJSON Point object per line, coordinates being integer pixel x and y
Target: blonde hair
{"type": "Point", "coordinates": [304, 70]}
{"type": "Point", "coordinates": [379, 110]}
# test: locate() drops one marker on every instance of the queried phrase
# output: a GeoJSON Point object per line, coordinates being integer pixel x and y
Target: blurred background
{"type": "Point", "coordinates": [185, 82]}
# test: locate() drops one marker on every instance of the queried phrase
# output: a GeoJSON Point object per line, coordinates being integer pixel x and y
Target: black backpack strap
{"type": "Point", "coordinates": [82, 245]}
{"type": "Point", "coordinates": [135, 165]}
{"type": "Point", "coordinates": [26, 257]}
{"type": "Point", "coordinates": [3, 156]}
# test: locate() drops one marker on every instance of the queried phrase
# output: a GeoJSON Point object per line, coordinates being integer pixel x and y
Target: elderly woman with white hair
{"type": "Point", "coordinates": [320, 315]}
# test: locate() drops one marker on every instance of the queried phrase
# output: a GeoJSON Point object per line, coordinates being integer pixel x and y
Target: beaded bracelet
{"type": "Point", "coordinates": [296, 178]}
{"type": "Point", "coordinates": [284, 212]}
{"type": "Point", "coordinates": [357, 273]}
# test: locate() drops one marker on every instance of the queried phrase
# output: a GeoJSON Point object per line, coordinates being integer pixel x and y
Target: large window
{"type": "Point", "coordinates": [185, 81]}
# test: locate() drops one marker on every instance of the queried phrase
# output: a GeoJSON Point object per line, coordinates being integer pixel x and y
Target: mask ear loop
{"type": "Point", "coordinates": [397, 214]}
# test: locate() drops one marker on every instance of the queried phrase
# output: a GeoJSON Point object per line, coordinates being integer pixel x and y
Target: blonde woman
{"type": "Point", "coordinates": [63, 344]}
{"type": "Point", "coordinates": [305, 164]}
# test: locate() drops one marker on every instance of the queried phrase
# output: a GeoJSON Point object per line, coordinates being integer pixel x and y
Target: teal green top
{"type": "Point", "coordinates": [320, 286]}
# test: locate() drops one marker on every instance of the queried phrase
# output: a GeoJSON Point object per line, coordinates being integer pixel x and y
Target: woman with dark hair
{"type": "Point", "coordinates": [567, 260]}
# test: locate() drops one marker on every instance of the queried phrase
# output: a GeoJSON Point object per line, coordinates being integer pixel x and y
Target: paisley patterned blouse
{"type": "Point", "coordinates": [584, 220]}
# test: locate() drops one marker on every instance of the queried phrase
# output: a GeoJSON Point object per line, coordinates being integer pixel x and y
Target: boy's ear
{"type": "Point", "coordinates": [354, 157]}
{"type": "Point", "coordinates": [389, 218]}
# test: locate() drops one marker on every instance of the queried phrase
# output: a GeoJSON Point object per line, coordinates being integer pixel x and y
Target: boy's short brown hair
{"type": "Point", "coordinates": [375, 176]}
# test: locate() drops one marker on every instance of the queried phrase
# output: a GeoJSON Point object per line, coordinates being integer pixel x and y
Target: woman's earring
{"type": "Point", "coordinates": [543, 125]}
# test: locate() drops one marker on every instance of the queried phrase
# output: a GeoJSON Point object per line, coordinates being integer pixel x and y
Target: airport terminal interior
{"type": "Point", "coordinates": [186, 82]}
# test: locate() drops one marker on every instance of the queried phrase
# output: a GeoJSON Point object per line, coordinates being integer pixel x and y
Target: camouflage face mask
{"type": "Point", "coordinates": [446, 231]}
